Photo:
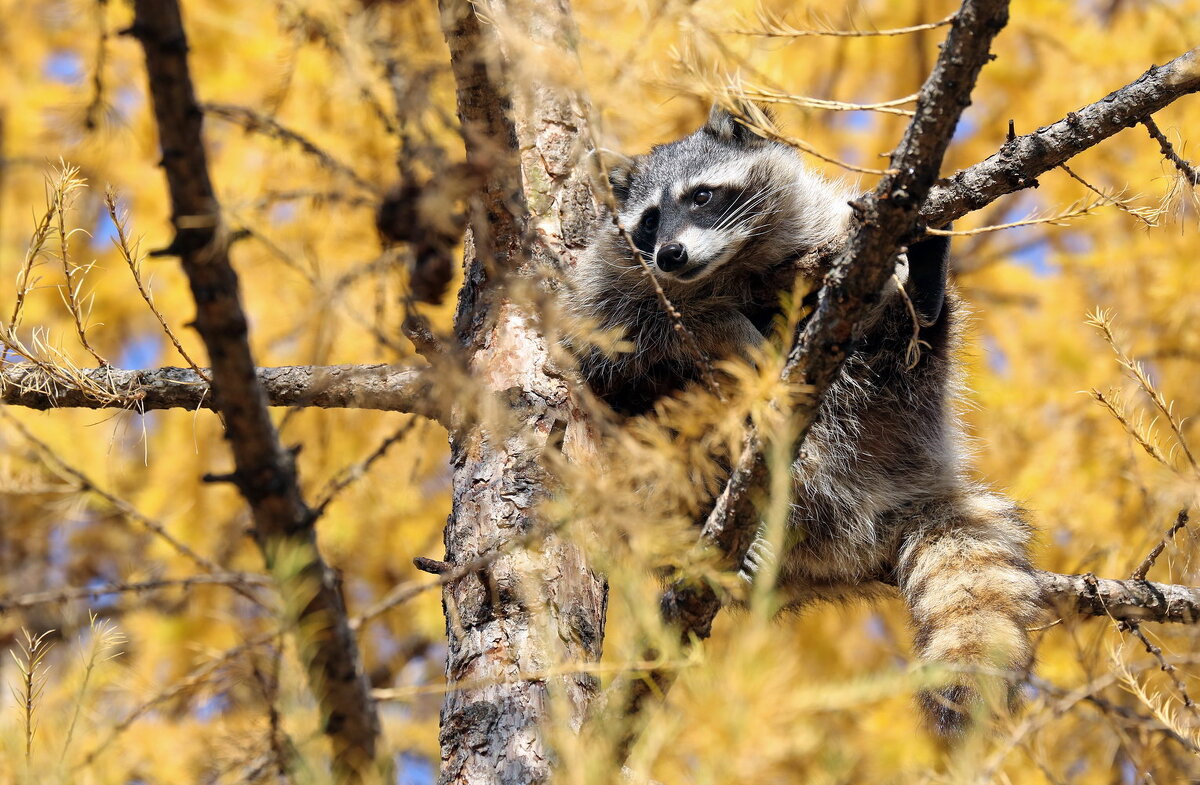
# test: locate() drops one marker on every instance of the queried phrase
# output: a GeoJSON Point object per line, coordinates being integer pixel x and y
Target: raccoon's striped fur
{"type": "Point", "coordinates": [723, 218]}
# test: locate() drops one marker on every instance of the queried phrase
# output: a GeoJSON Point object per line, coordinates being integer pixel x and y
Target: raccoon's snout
{"type": "Point", "coordinates": [671, 257]}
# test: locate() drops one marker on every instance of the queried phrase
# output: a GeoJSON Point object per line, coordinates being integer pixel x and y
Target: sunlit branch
{"type": "Point", "coordinates": [380, 387]}
{"type": "Point", "coordinates": [773, 27]}
{"type": "Point", "coordinates": [1022, 159]}
{"type": "Point", "coordinates": [1186, 168]}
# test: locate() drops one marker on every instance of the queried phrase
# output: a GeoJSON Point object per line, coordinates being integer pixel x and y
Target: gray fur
{"type": "Point", "coordinates": [881, 494]}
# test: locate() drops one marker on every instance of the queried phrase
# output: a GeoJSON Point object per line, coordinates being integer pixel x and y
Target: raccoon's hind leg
{"type": "Point", "coordinates": [964, 571]}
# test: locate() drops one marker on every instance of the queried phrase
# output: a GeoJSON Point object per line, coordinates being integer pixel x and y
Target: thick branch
{"type": "Point", "coordinates": [265, 473]}
{"type": "Point", "coordinates": [381, 387]}
{"type": "Point", "coordinates": [1022, 159]}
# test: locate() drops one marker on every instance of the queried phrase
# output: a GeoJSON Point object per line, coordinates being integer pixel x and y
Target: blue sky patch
{"type": "Point", "coordinates": [64, 67]}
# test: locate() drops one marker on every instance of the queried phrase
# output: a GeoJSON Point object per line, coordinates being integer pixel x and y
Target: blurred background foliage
{"type": "Point", "coordinates": [340, 101]}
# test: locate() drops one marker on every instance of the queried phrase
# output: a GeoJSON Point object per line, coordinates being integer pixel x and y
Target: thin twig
{"type": "Point", "coordinates": [130, 254]}
{"type": "Point", "coordinates": [1054, 220]}
{"type": "Point", "coordinates": [351, 474]}
{"type": "Point", "coordinates": [1180, 521]}
{"type": "Point", "coordinates": [74, 275]}
{"type": "Point", "coordinates": [256, 122]}
{"type": "Point", "coordinates": [56, 191]}
{"type": "Point", "coordinates": [775, 28]}
{"type": "Point", "coordinates": [1147, 216]}
{"type": "Point", "coordinates": [87, 485]}
{"type": "Point", "coordinates": [1168, 150]}
{"type": "Point", "coordinates": [193, 679]}
{"type": "Point", "coordinates": [19, 601]}
{"type": "Point", "coordinates": [1168, 668]}
{"type": "Point", "coordinates": [764, 95]}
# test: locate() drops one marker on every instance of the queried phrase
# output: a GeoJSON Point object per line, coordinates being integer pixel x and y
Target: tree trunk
{"type": "Point", "coordinates": [537, 607]}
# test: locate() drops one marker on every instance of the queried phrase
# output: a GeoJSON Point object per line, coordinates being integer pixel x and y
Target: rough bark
{"type": "Point", "coordinates": [1018, 163]}
{"type": "Point", "coordinates": [528, 610]}
{"type": "Point", "coordinates": [265, 473]}
{"type": "Point", "coordinates": [382, 387]}
{"type": "Point", "coordinates": [1129, 600]}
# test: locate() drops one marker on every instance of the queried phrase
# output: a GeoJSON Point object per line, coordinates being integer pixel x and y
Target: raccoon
{"type": "Point", "coordinates": [725, 220]}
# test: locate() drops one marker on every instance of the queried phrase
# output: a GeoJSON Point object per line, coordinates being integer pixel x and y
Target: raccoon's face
{"type": "Point", "coordinates": [718, 199]}
{"type": "Point", "coordinates": [696, 225]}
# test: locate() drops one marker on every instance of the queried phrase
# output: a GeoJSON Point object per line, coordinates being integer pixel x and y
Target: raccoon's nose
{"type": "Point", "coordinates": [671, 257]}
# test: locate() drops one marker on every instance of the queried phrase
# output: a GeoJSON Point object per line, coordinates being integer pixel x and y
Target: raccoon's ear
{"type": "Point", "coordinates": [724, 125]}
{"type": "Point", "coordinates": [619, 169]}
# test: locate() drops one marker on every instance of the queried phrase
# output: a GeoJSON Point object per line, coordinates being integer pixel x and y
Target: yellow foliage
{"type": "Point", "coordinates": [205, 687]}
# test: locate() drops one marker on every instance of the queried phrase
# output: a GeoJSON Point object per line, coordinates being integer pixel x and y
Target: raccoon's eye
{"type": "Point", "coordinates": [649, 221]}
{"type": "Point", "coordinates": [702, 197]}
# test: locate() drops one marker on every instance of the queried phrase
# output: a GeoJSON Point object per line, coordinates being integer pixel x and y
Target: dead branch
{"type": "Point", "coordinates": [1181, 520]}
{"type": "Point", "coordinates": [265, 471]}
{"type": "Point", "coordinates": [382, 387]}
{"type": "Point", "coordinates": [1019, 162]}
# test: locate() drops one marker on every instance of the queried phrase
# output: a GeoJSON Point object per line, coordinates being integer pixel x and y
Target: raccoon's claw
{"type": "Point", "coordinates": [758, 555]}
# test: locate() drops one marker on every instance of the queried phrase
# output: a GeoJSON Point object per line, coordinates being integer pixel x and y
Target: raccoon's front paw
{"type": "Point", "coordinates": [758, 556]}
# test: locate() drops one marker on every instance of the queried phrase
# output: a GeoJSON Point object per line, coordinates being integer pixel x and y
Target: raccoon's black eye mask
{"type": "Point", "coordinates": [646, 231]}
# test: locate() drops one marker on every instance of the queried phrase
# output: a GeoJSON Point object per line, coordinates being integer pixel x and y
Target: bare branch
{"type": "Point", "coordinates": [381, 387]}
{"type": "Point", "coordinates": [265, 471]}
{"type": "Point", "coordinates": [352, 474]}
{"type": "Point", "coordinates": [1022, 159]}
{"type": "Point", "coordinates": [129, 253]}
{"type": "Point", "coordinates": [1132, 600]}
{"type": "Point", "coordinates": [1181, 520]}
{"type": "Point", "coordinates": [32, 599]}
